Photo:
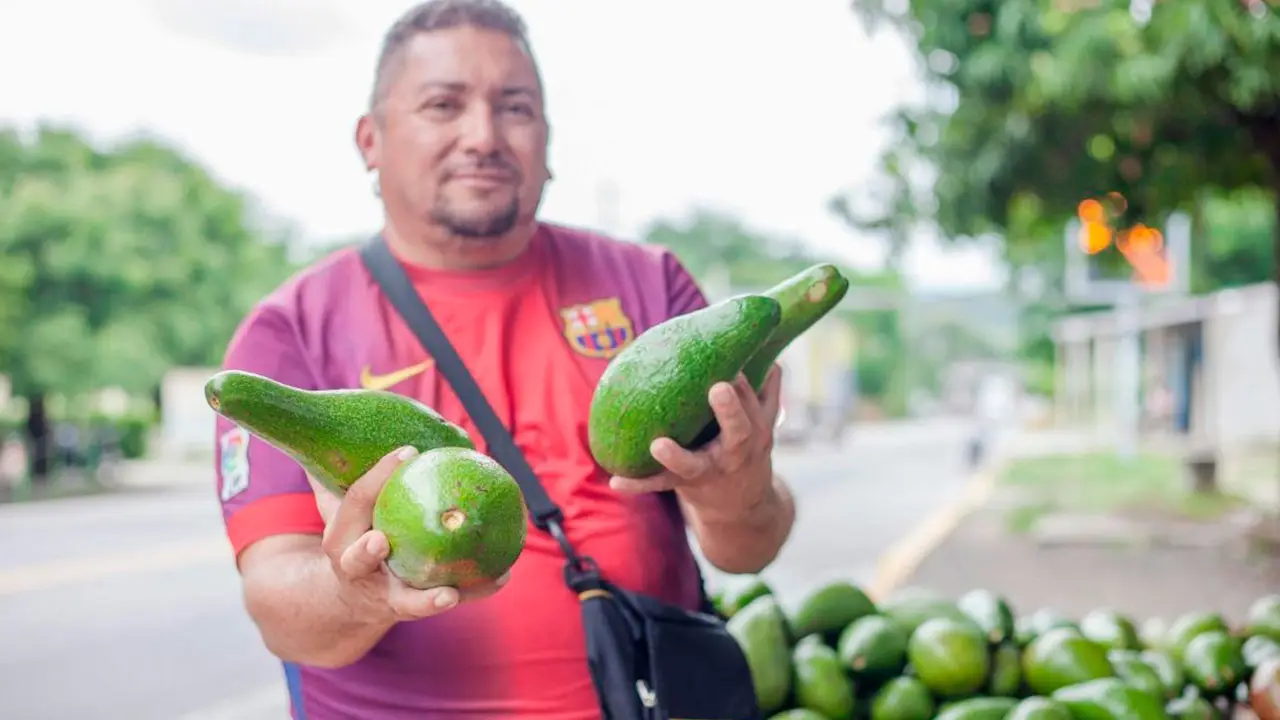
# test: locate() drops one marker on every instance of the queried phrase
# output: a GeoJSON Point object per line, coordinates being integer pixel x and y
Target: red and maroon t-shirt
{"type": "Point", "coordinates": [536, 334]}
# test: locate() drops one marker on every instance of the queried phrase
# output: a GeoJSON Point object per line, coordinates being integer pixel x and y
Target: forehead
{"type": "Point", "coordinates": [478, 58]}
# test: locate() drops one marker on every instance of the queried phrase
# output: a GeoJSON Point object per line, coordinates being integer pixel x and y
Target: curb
{"type": "Point", "coordinates": [900, 561]}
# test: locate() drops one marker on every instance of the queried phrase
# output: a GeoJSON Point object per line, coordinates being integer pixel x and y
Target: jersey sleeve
{"type": "Point", "coordinates": [263, 492]}
{"type": "Point", "coordinates": [683, 294]}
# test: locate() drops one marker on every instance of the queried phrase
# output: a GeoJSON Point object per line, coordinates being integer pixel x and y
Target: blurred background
{"type": "Point", "coordinates": [1061, 217]}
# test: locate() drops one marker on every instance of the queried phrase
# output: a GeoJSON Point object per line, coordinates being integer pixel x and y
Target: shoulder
{"type": "Point", "coordinates": [290, 317]}
{"type": "Point", "coordinates": [580, 245]}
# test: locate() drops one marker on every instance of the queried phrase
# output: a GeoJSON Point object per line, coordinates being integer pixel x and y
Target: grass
{"type": "Point", "coordinates": [1103, 483]}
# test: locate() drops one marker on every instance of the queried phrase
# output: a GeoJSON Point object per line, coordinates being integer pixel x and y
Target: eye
{"type": "Point", "coordinates": [522, 109]}
{"type": "Point", "coordinates": [441, 105]}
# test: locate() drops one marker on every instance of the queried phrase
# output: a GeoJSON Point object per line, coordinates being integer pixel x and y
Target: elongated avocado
{"type": "Point", "coordinates": [452, 516]}
{"type": "Point", "coordinates": [658, 386]}
{"type": "Point", "coordinates": [804, 299]}
{"type": "Point", "coordinates": [335, 435]}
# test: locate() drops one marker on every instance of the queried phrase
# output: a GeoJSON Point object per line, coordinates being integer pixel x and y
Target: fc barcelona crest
{"type": "Point", "coordinates": [598, 329]}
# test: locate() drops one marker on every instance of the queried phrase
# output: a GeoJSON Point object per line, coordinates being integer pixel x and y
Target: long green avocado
{"type": "Point", "coordinates": [335, 435]}
{"type": "Point", "coordinates": [658, 386]}
{"type": "Point", "coordinates": [452, 516]}
{"type": "Point", "coordinates": [804, 298]}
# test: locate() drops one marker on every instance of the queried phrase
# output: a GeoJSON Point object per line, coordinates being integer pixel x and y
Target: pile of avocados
{"type": "Point", "coordinates": [658, 385]}
{"type": "Point", "coordinates": [917, 655]}
{"type": "Point", "coordinates": [452, 515]}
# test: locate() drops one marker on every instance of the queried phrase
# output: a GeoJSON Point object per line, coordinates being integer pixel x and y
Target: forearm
{"type": "Point", "coordinates": [296, 603]}
{"type": "Point", "coordinates": [750, 541]}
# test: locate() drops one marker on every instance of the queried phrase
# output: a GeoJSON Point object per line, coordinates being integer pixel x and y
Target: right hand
{"type": "Point", "coordinates": [357, 553]}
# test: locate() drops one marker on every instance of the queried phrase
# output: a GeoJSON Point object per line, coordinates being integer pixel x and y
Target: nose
{"type": "Point", "coordinates": [480, 132]}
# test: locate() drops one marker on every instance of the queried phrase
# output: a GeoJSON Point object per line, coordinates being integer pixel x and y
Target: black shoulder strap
{"type": "Point", "coordinates": [391, 277]}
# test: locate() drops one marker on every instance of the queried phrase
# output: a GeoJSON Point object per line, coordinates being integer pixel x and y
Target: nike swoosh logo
{"type": "Point", "coordinates": [369, 381]}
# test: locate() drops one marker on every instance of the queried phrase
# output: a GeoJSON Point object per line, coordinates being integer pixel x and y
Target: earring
{"type": "Point", "coordinates": [373, 182]}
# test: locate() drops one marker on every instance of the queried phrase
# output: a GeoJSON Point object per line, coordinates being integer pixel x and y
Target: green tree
{"type": "Point", "coordinates": [128, 260]}
{"type": "Point", "coordinates": [1039, 105]}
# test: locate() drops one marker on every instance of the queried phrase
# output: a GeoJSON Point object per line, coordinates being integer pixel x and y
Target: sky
{"type": "Point", "coordinates": [665, 105]}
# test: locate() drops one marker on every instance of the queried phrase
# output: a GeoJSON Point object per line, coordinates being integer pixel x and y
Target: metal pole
{"type": "Point", "coordinates": [1127, 372]}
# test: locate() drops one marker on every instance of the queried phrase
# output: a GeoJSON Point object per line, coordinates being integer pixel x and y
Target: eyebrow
{"type": "Point", "coordinates": [460, 87]}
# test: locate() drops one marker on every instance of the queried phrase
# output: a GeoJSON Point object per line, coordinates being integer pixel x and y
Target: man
{"type": "Point", "coordinates": [458, 138]}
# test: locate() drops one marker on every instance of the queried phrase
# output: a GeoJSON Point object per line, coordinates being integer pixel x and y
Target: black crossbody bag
{"type": "Point", "coordinates": [649, 660]}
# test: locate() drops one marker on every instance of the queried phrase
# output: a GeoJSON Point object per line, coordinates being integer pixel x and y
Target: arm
{"type": "Point", "coordinates": [749, 542]}
{"type": "Point", "coordinates": [269, 508]}
{"type": "Point", "coordinates": [749, 538]}
{"type": "Point", "coordinates": [293, 596]}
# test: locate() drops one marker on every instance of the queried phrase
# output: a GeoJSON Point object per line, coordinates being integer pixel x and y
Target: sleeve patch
{"type": "Point", "coordinates": [233, 452]}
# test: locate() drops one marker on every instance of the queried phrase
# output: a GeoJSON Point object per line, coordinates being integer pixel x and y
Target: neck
{"type": "Point", "coordinates": [438, 249]}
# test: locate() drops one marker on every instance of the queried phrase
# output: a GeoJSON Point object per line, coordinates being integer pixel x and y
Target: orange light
{"type": "Point", "coordinates": [1094, 237]}
{"type": "Point", "coordinates": [1090, 211]}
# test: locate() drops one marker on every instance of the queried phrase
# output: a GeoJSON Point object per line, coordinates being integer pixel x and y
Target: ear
{"type": "Point", "coordinates": [368, 142]}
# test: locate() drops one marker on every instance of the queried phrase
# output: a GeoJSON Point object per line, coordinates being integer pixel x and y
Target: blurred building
{"type": "Point", "coordinates": [1208, 368]}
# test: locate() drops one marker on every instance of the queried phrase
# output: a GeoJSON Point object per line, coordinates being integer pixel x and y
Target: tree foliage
{"type": "Point", "coordinates": [119, 263]}
{"type": "Point", "coordinates": [1038, 105]}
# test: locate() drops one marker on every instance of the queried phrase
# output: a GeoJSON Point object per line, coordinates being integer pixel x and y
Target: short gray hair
{"type": "Point", "coordinates": [444, 15]}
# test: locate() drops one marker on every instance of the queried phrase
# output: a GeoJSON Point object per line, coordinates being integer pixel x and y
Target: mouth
{"type": "Point", "coordinates": [483, 178]}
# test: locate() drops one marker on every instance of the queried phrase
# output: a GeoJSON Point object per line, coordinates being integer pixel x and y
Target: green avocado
{"type": "Point", "coordinates": [335, 435]}
{"type": "Point", "coordinates": [1039, 708]}
{"type": "Point", "coordinates": [873, 647]}
{"type": "Point", "coordinates": [1257, 649]}
{"type": "Point", "coordinates": [949, 656]}
{"type": "Point", "coordinates": [990, 611]}
{"type": "Point", "coordinates": [1191, 707]}
{"type": "Point", "coordinates": [657, 386]}
{"type": "Point", "coordinates": [978, 708]}
{"type": "Point", "coordinates": [1214, 662]}
{"type": "Point", "coordinates": [798, 714]}
{"type": "Point", "coordinates": [1006, 670]}
{"type": "Point", "coordinates": [739, 591]}
{"type": "Point", "coordinates": [911, 607]}
{"type": "Point", "coordinates": [1186, 627]}
{"type": "Point", "coordinates": [452, 516]}
{"type": "Point", "coordinates": [1263, 617]}
{"type": "Point", "coordinates": [1110, 629]}
{"type": "Point", "coordinates": [829, 608]}
{"type": "Point", "coordinates": [761, 631]}
{"type": "Point", "coordinates": [804, 298]}
{"type": "Point", "coordinates": [1109, 699]}
{"type": "Point", "coordinates": [1062, 657]}
{"type": "Point", "coordinates": [1029, 627]}
{"type": "Point", "coordinates": [902, 698]}
{"type": "Point", "coordinates": [1167, 669]}
{"type": "Point", "coordinates": [820, 683]}
{"type": "Point", "coordinates": [1130, 667]}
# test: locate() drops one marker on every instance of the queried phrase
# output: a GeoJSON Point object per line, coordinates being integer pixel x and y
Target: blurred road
{"type": "Point", "coordinates": [127, 606]}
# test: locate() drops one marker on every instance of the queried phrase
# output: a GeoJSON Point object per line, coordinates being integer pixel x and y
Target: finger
{"type": "Point", "coordinates": [638, 486]}
{"type": "Point", "coordinates": [685, 464]}
{"type": "Point", "coordinates": [735, 424]}
{"type": "Point", "coordinates": [748, 398]}
{"type": "Point", "coordinates": [364, 557]}
{"type": "Point", "coordinates": [355, 513]}
{"type": "Point", "coordinates": [408, 602]}
{"type": "Point", "coordinates": [771, 396]}
{"type": "Point", "coordinates": [326, 502]}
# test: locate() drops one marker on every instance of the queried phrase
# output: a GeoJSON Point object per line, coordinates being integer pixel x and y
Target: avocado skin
{"type": "Point", "coordinates": [658, 386]}
{"type": "Point", "coordinates": [800, 311]}
{"type": "Point", "coordinates": [412, 509]}
{"type": "Point", "coordinates": [335, 435]}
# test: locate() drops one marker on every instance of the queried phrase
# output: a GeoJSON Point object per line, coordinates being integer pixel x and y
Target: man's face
{"type": "Point", "coordinates": [462, 139]}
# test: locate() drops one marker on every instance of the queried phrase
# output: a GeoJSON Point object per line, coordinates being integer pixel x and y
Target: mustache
{"type": "Point", "coordinates": [489, 164]}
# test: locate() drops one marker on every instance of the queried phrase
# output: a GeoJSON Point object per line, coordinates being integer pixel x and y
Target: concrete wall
{"type": "Point", "coordinates": [1240, 354]}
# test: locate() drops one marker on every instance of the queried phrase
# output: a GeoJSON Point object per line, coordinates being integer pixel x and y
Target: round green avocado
{"type": "Point", "coordinates": [453, 517]}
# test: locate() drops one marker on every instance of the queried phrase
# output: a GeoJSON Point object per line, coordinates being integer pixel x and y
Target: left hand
{"type": "Point", "coordinates": [733, 473]}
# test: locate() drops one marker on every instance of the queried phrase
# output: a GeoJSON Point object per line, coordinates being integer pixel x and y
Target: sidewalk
{"type": "Point", "coordinates": [1135, 573]}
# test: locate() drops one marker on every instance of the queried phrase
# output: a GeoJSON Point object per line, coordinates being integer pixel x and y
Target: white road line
{"type": "Point", "coordinates": [265, 703]}
{"type": "Point", "coordinates": [50, 575]}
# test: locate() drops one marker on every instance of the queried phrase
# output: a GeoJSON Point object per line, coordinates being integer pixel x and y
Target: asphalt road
{"type": "Point", "coordinates": [127, 606]}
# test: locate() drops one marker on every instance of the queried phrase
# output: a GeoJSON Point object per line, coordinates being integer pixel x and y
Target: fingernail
{"type": "Point", "coordinates": [406, 453]}
{"type": "Point", "coordinates": [504, 579]}
{"type": "Point", "coordinates": [722, 395]}
{"type": "Point", "coordinates": [373, 545]}
{"type": "Point", "coordinates": [446, 598]}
